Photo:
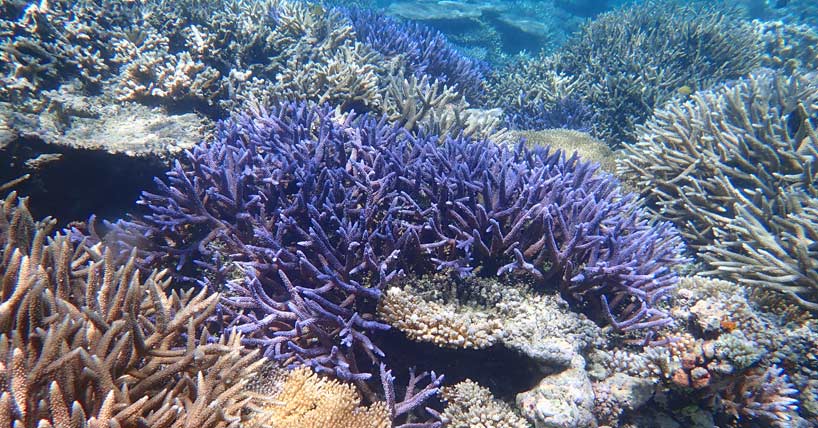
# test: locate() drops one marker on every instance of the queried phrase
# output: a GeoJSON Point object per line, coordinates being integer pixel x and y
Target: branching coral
{"type": "Point", "coordinates": [322, 212]}
{"type": "Point", "coordinates": [86, 340]}
{"type": "Point", "coordinates": [734, 168]}
{"type": "Point", "coordinates": [422, 50]}
{"type": "Point", "coordinates": [765, 395]}
{"type": "Point", "coordinates": [637, 57]}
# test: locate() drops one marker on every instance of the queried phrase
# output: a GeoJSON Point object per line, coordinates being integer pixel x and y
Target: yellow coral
{"type": "Point", "coordinates": [445, 325]}
{"type": "Point", "coordinates": [306, 400]}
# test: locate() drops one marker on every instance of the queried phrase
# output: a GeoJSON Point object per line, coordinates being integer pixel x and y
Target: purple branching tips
{"type": "Point", "coordinates": [413, 398]}
{"type": "Point", "coordinates": [302, 218]}
{"type": "Point", "coordinates": [426, 50]}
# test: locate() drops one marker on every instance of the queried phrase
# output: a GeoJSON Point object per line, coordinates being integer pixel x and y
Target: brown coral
{"type": "Point", "coordinates": [84, 339]}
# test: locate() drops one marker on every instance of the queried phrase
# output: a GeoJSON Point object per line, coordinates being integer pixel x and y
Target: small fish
{"type": "Point", "coordinates": [316, 9]}
{"type": "Point", "coordinates": [685, 90]}
{"type": "Point", "coordinates": [781, 3]}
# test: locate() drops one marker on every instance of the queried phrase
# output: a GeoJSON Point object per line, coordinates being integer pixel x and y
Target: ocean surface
{"type": "Point", "coordinates": [409, 213]}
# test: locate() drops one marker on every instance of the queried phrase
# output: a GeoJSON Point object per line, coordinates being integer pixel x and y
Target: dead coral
{"type": "Point", "coordinates": [84, 340]}
{"type": "Point", "coordinates": [734, 168]}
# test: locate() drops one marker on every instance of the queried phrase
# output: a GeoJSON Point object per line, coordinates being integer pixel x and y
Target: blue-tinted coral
{"type": "Point", "coordinates": [425, 50]}
{"type": "Point", "coordinates": [320, 213]}
{"type": "Point", "coordinates": [567, 113]}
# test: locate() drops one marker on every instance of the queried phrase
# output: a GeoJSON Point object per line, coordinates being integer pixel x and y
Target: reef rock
{"type": "Point", "coordinates": [561, 400]}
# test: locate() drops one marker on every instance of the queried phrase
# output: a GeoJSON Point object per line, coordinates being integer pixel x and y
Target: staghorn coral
{"type": "Point", "coordinates": [733, 168]}
{"type": "Point", "coordinates": [44, 43]}
{"type": "Point", "coordinates": [787, 45]}
{"type": "Point", "coordinates": [529, 91]}
{"type": "Point", "coordinates": [470, 405]}
{"type": "Point", "coordinates": [637, 57]}
{"type": "Point", "coordinates": [566, 113]}
{"type": "Point", "coordinates": [300, 215]}
{"type": "Point", "coordinates": [84, 340]}
{"type": "Point", "coordinates": [423, 51]}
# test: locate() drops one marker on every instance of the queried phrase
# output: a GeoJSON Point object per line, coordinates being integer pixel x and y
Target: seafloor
{"type": "Point", "coordinates": [416, 214]}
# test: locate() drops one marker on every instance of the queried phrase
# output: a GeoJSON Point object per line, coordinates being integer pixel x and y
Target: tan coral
{"type": "Point", "coordinates": [306, 400]}
{"type": "Point", "coordinates": [87, 338]}
{"type": "Point", "coordinates": [443, 325]}
{"type": "Point", "coordinates": [570, 141]}
{"type": "Point", "coordinates": [733, 169]}
{"type": "Point", "coordinates": [470, 405]}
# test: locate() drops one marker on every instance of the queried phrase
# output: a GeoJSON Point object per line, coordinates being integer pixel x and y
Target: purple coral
{"type": "Point", "coordinates": [425, 50]}
{"type": "Point", "coordinates": [567, 113]}
{"type": "Point", "coordinates": [302, 218]}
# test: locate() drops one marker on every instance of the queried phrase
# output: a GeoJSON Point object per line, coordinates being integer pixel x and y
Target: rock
{"type": "Point", "coordinates": [630, 392]}
{"type": "Point", "coordinates": [561, 400]}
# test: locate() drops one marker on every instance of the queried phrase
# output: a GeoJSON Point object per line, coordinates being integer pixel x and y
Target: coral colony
{"type": "Point", "coordinates": [322, 212]}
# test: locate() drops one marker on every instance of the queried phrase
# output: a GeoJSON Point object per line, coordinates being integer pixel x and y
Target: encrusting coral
{"type": "Point", "coordinates": [85, 341]}
{"type": "Point", "coordinates": [476, 313]}
{"type": "Point", "coordinates": [734, 169]}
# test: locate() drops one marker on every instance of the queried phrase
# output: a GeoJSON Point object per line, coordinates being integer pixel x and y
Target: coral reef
{"type": "Point", "coordinates": [478, 313]}
{"type": "Point", "coordinates": [561, 400]}
{"type": "Point", "coordinates": [788, 46]}
{"type": "Point", "coordinates": [423, 51]}
{"type": "Point", "coordinates": [218, 56]}
{"type": "Point", "coordinates": [635, 58]}
{"type": "Point", "coordinates": [313, 210]}
{"type": "Point", "coordinates": [84, 340]}
{"type": "Point", "coordinates": [566, 113]}
{"type": "Point", "coordinates": [727, 359]}
{"type": "Point", "coordinates": [766, 396]}
{"type": "Point", "coordinates": [570, 141]}
{"type": "Point", "coordinates": [733, 169]}
{"type": "Point", "coordinates": [470, 405]}
{"type": "Point", "coordinates": [305, 400]}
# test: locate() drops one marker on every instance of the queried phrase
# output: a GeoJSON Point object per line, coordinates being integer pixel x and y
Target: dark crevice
{"type": "Point", "coordinates": [80, 182]}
